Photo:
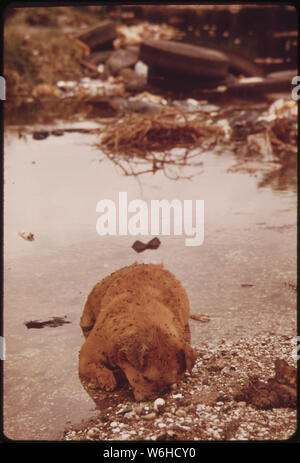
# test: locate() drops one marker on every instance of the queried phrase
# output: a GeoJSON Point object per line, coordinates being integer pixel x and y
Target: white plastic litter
{"type": "Point", "coordinates": [141, 69]}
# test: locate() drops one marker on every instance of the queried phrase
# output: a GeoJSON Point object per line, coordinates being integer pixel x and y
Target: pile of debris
{"type": "Point", "coordinates": [167, 141]}
{"type": "Point", "coordinates": [138, 135]}
{"type": "Point", "coordinates": [153, 53]}
{"type": "Point", "coordinates": [263, 141]}
{"type": "Point", "coordinates": [109, 51]}
{"type": "Point", "coordinates": [268, 141]}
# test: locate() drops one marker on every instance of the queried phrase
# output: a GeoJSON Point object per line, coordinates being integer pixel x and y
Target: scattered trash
{"type": "Point", "coordinates": [192, 105]}
{"type": "Point", "coordinates": [28, 236]}
{"type": "Point", "coordinates": [254, 86]}
{"type": "Point", "coordinates": [249, 80]}
{"type": "Point", "coordinates": [259, 143]}
{"type": "Point", "coordinates": [190, 60]}
{"type": "Point", "coordinates": [124, 410]}
{"type": "Point", "coordinates": [279, 392]}
{"type": "Point", "coordinates": [67, 86]}
{"type": "Point", "coordinates": [96, 36]}
{"type": "Point", "coordinates": [246, 123]}
{"type": "Point", "coordinates": [143, 106]}
{"type": "Point", "coordinates": [151, 98]}
{"type": "Point", "coordinates": [224, 125]}
{"type": "Point", "coordinates": [100, 68]}
{"type": "Point", "coordinates": [138, 135]}
{"type": "Point", "coordinates": [132, 80]}
{"type": "Point", "coordinates": [138, 246]}
{"type": "Point", "coordinates": [280, 108]}
{"type": "Point", "coordinates": [134, 35]}
{"type": "Point", "coordinates": [104, 88]}
{"type": "Point", "coordinates": [40, 135]}
{"type": "Point", "coordinates": [284, 134]}
{"type": "Point", "coordinates": [241, 65]}
{"type": "Point", "coordinates": [122, 58]}
{"type": "Point", "coordinates": [141, 69]}
{"type": "Point", "coordinates": [162, 138]}
{"type": "Point", "coordinates": [92, 87]}
{"type": "Point", "coordinates": [52, 323]}
{"type": "Point", "coordinates": [146, 103]}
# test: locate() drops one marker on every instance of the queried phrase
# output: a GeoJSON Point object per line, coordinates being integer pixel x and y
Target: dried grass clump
{"type": "Point", "coordinates": [138, 135]}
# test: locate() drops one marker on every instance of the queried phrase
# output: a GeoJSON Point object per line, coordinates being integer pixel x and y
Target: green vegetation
{"type": "Point", "coordinates": [17, 58]}
{"type": "Point", "coordinates": [37, 48]}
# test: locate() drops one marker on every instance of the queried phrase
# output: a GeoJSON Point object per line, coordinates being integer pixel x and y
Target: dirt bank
{"type": "Point", "coordinates": [206, 405]}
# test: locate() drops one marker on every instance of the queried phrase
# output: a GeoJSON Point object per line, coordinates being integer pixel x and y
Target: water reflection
{"type": "Point", "coordinates": [284, 178]}
{"type": "Point", "coordinates": [172, 164]}
{"type": "Point", "coordinates": [186, 164]}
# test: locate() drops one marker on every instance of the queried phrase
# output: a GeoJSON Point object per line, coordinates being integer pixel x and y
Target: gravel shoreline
{"type": "Point", "coordinates": [204, 406]}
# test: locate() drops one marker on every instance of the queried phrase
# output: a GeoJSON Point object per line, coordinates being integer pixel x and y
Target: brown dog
{"type": "Point", "coordinates": [136, 320]}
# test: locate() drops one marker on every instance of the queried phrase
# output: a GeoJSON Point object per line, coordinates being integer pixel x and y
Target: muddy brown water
{"type": "Point", "coordinates": [242, 276]}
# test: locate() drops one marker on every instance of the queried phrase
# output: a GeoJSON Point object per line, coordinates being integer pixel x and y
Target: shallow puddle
{"type": "Point", "coordinates": [243, 275]}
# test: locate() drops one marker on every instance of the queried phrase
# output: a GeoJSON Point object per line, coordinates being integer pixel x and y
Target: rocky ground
{"type": "Point", "coordinates": [212, 403]}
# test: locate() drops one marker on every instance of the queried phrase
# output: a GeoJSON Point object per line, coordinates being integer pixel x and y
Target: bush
{"type": "Point", "coordinates": [16, 57]}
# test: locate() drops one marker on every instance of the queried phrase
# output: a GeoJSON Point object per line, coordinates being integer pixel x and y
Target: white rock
{"type": "Point", "coordinates": [92, 432]}
{"type": "Point", "coordinates": [162, 425]}
{"type": "Point", "coordinates": [159, 403]}
{"type": "Point", "coordinates": [177, 396]}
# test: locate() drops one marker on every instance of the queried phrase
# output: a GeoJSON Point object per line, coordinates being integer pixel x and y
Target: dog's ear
{"type": "Point", "coordinates": [186, 358]}
{"type": "Point", "coordinates": [190, 357]}
{"type": "Point", "coordinates": [180, 355]}
{"type": "Point", "coordinates": [135, 354]}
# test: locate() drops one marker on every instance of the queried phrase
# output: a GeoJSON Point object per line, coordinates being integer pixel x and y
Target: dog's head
{"type": "Point", "coordinates": [153, 365]}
